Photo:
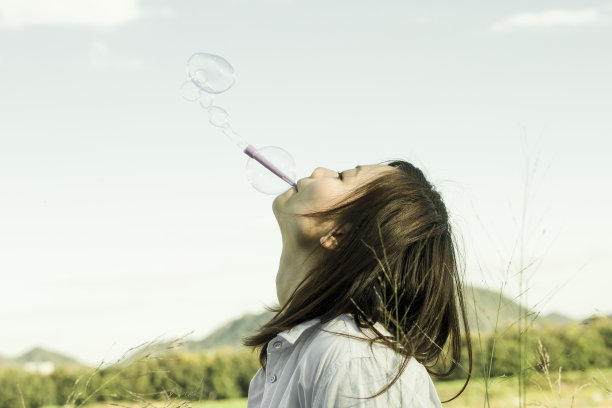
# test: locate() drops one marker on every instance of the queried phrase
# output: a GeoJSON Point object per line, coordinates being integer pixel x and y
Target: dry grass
{"type": "Point", "coordinates": [576, 389]}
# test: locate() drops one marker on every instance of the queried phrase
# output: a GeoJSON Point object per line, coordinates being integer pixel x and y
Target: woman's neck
{"type": "Point", "coordinates": [295, 264]}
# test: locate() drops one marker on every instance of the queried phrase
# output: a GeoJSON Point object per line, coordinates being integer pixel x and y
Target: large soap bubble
{"type": "Point", "coordinates": [211, 73]}
{"type": "Point", "coordinates": [261, 178]}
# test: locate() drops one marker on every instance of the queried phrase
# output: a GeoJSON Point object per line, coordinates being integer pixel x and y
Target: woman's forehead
{"type": "Point", "coordinates": [369, 170]}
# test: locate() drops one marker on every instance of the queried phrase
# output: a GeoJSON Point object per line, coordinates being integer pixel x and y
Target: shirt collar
{"type": "Point", "coordinates": [295, 332]}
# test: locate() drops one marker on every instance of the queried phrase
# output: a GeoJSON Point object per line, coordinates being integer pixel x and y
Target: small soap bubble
{"type": "Point", "coordinates": [218, 116]}
{"type": "Point", "coordinates": [206, 99]}
{"type": "Point", "coordinates": [189, 91]}
{"type": "Point", "coordinates": [211, 73]}
{"type": "Point", "coordinates": [265, 181]}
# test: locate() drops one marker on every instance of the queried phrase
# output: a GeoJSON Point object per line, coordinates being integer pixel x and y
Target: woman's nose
{"type": "Point", "coordinates": [322, 172]}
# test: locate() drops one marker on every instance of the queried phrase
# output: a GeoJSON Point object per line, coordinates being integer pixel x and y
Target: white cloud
{"type": "Point", "coordinates": [551, 18]}
{"type": "Point", "coordinates": [22, 13]}
{"type": "Point", "coordinates": [101, 57]}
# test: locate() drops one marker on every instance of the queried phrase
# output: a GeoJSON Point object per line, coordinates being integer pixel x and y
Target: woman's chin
{"type": "Point", "coordinates": [278, 202]}
{"type": "Point", "coordinates": [284, 196]}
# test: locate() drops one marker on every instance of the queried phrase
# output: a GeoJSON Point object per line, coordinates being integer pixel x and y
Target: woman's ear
{"type": "Point", "coordinates": [330, 241]}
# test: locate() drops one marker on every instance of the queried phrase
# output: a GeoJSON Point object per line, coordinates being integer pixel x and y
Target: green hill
{"type": "Point", "coordinates": [483, 317]}
{"type": "Point", "coordinates": [558, 318]}
{"type": "Point", "coordinates": [39, 354]}
{"type": "Point", "coordinates": [231, 333]}
{"type": "Point", "coordinates": [486, 309]}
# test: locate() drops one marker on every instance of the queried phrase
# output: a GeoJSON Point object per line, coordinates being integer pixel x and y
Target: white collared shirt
{"type": "Point", "coordinates": [309, 366]}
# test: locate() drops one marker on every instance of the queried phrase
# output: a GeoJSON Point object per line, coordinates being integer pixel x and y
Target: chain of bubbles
{"type": "Point", "coordinates": [210, 75]}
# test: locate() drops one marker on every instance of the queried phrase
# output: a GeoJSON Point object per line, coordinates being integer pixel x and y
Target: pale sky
{"type": "Point", "coordinates": [125, 216]}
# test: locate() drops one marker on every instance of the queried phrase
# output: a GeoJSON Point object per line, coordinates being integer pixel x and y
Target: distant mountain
{"type": "Point", "coordinates": [484, 308]}
{"type": "Point", "coordinates": [231, 333]}
{"type": "Point", "coordinates": [487, 309]}
{"type": "Point", "coordinates": [38, 355]}
{"type": "Point", "coordinates": [491, 308]}
{"type": "Point", "coordinates": [594, 318]}
{"type": "Point", "coordinates": [558, 318]}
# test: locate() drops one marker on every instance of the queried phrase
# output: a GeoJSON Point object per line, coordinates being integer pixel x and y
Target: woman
{"type": "Point", "coordinates": [369, 294]}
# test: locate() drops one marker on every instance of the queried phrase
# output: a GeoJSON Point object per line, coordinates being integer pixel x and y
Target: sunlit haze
{"type": "Point", "coordinates": [125, 216]}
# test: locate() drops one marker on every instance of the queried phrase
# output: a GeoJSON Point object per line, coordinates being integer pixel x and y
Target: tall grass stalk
{"type": "Point", "coordinates": [525, 315]}
{"type": "Point", "coordinates": [487, 367]}
{"type": "Point", "coordinates": [522, 298]}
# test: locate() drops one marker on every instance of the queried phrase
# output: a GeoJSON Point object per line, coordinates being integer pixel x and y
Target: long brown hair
{"type": "Point", "coordinates": [395, 264]}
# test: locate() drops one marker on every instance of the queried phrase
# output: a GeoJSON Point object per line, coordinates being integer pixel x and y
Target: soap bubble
{"type": "Point", "coordinates": [189, 91]}
{"type": "Point", "coordinates": [218, 116]}
{"type": "Point", "coordinates": [211, 73]}
{"type": "Point", "coordinates": [265, 181]}
{"type": "Point", "coordinates": [206, 100]}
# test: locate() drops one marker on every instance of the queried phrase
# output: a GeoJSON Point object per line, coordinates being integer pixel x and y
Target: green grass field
{"type": "Point", "coordinates": [576, 389]}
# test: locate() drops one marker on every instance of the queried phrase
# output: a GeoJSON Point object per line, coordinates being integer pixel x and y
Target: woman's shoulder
{"type": "Point", "coordinates": [343, 331]}
{"type": "Point", "coordinates": [340, 332]}
{"type": "Point", "coordinates": [347, 362]}
{"type": "Point", "coordinates": [332, 343]}
{"type": "Point", "coordinates": [341, 340]}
